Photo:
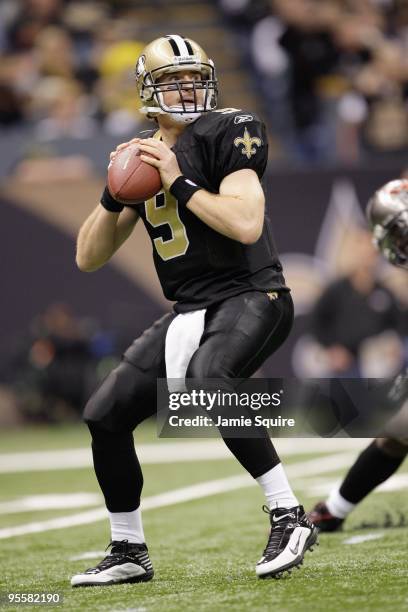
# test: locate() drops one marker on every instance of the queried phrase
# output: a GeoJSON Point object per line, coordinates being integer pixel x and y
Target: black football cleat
{"type": "Point", "coordinates": [323, 519]}
{"type": "Point", "coordinates": [292, 534]}
{"type": "Point", "coordinates": [125, 563]}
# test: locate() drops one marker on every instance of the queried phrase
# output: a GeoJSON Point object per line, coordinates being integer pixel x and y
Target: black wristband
{"type": "Point", "coordinates": [182, 189]}
{"type": "Point", "coordinates": [109, 202]}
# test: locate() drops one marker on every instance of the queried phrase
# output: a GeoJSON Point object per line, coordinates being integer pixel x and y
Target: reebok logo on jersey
{"type": "Point", "coordinates": [248, 143]}
{"type": "Point", "coordinates": [242, 119]}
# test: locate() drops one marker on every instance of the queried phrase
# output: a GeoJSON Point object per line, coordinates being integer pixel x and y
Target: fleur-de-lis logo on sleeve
{"type": "Point", "coordinates": [248, 143]}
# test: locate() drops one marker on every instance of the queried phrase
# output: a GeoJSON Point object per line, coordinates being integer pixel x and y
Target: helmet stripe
{"type": "Point", "coordinates": [178, 41]}
{"type": "Point", "coordinates": [173, 45]}
{"type": "Point", "coordinates": [189, 47]}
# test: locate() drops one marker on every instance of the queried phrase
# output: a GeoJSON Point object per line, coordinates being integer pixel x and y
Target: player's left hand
{"type": "Point", "coordinates": [163, 159]}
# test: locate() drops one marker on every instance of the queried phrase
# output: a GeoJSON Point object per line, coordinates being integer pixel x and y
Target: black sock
{"type": "Point", "coordinates": [371, 468]}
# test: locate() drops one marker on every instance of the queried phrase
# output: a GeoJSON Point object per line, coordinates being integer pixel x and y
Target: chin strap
{"type": "Point", "coordinates": [153, 112]}
{"type": "Point", "coordinates": [184, 117]}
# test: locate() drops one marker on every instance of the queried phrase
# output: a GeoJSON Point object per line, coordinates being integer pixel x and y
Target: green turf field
{"type": "Point", "coordinates": [203, 550]}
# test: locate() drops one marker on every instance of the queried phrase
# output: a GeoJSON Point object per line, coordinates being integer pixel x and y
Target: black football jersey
{"type": "Point", "coordinates": [196, 265]}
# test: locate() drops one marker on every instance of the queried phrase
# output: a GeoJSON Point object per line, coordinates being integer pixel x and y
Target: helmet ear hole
{"type": "Point", "coordinates": [146, 93]}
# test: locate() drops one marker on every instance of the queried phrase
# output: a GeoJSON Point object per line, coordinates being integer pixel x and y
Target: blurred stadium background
{"type": "Point", "coordinates": [330, 79]}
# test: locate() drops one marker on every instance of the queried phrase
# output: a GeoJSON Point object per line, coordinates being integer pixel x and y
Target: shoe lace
{"type": "Point", "coordinates": [276, 535]}
{"type": "Point", "coordinates": [107, 561]}
{"type": "Point", "coordinates": [122, 542]}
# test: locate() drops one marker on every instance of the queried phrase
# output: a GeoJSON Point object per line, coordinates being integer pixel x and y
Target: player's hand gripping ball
{"type": "Point", "coordinates": [131, 180]}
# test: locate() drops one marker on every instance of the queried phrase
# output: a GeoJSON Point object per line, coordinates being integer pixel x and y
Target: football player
{"type": "Point", "coordinates": [215, 257]}
{"type": "Point", "coordinates": [387, 213]}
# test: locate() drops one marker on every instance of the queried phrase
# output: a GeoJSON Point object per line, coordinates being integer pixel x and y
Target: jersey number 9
{"type": "Point", "coordinates": [162, 209]}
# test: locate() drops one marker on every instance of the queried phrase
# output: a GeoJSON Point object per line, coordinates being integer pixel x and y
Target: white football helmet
{"type": "Point", "coordinates": [387, 213]}
{"type": "Point", "coordinates": [172, 54]}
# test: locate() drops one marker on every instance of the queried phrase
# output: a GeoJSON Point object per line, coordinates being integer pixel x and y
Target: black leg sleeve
{"type": "Point", "coordinates": [117, 469]}
{"type": "Point", "coordinates": [256, 455]}
{"type": "Point", "coordinates": [371, 468]}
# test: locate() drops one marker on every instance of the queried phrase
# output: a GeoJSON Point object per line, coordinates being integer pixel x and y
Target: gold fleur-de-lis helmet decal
{"type": "Point", "coordinates": [249, 143]}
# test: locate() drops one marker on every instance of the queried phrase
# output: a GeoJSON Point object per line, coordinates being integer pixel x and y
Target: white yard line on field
{"type": "Point", "coordinates": [59, 501]}
{"type": "Point", "coordinates": [321, 465]}
{"type": "Point", "coordinates": [92, 554]}
{"type": "Point", "coordinates": [167, 452]}
{"type": "Point", "coordinates": [367, 537]}
{"type": "Point", "coordinates": [64, 501]}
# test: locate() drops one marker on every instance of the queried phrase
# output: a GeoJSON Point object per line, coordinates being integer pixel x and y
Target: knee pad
{"type": "Point", "coordinates": [124, 398]}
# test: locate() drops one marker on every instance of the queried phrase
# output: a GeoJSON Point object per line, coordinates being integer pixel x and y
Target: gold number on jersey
{"type": "Point", "coordinates": [162, 209]}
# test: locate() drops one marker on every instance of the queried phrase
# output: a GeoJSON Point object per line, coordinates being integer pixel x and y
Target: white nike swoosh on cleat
{"type": "Point", "coordinates": [276, 520]}
{"type": "Point", "coordinates": [296, 548]}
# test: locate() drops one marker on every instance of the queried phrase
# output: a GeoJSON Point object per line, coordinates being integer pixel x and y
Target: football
{"type": "Point", "coordinates": [131, 180]}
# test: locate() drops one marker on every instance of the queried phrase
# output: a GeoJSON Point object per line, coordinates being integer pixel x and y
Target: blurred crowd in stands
{"type": "Point", "coordinates": [67, 67]}
{"type": "Point", "coordinates": [334, 73]}
{"type": "Point", "coordinates": [51, 369]}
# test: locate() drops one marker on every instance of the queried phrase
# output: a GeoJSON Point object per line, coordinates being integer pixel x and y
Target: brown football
{"type": "Point", "coordinates": [131, 180]}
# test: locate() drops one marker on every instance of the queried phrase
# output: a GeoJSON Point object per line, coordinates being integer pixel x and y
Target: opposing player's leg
{"type": "Point", "coordinates": [239, 335]}
{"type": "Point", "coordinates": [125, 398]}
{"type": "Point", "coordinates": [373, 466]}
